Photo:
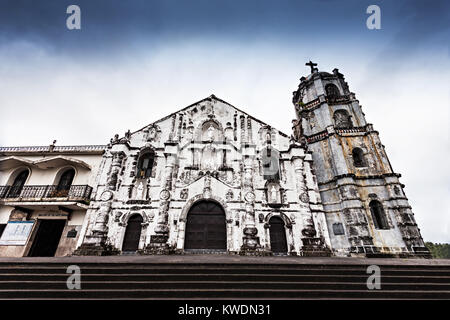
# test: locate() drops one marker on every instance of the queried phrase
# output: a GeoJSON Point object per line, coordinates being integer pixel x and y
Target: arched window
{"type": "Point", "coordinates": [270, 159]}
{"type": "Point", "coordinates": [19, 182]}
{"type": "Point", "coordinates": [378, 215]}
{"type": "Point", "coordinates": [342, 119]}
{"type": "Point", "coordinates": [332, 91]}
{"type": "Point", "coordinates": [66, 179]}
{"type": "Point", "coordinates": [145, 165]}
{"type": "Point", "coordinates": [358, 157]}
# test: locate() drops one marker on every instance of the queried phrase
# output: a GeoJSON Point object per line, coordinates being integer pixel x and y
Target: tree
{"type": "Point", "coordinates": [439, 250]}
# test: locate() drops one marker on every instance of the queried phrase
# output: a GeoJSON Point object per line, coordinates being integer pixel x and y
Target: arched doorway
{"type": "Point", "coordinates": [206, 227]}
{"type": "Point", "coordinates": [278, 243]}
{"type": "Point", "coordinates": [65, 181]}
{"type": "Point", "coordinates": [132, 233]}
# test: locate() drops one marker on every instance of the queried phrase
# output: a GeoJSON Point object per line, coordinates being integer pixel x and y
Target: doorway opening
{"type": "Point", "coordinates": [48, 235]}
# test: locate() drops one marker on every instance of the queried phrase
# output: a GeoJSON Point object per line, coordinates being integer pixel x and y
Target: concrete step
{"type": "Point", "coordinates": [222, 277]}
{"type": "Point", "coordinates": [319, 279]}
{"type": "Point", "coordinates": [220, 294]}
{"type": "Point", "coordinates": [319, 270]}
{"type": "Point", "coordinates": [229, 284]}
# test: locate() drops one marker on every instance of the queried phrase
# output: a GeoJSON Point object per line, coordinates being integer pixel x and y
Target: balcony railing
{"type": "Point", "coordinates": [35, 193]}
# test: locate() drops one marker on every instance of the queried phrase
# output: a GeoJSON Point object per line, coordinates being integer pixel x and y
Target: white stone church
{"type": "Point", "coordinates": [211, 178]}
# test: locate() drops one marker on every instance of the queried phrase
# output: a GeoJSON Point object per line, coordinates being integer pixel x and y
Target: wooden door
{"type": "Point", "coordinates": [206, 227]}
{"type": "Point", "coordinates": [132, 233]}
{"type": "Point", "coordinates": [277, 233]}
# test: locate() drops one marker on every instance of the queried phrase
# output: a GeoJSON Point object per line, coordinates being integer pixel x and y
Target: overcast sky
{"type": "Point", "coordinates": [134, 62]}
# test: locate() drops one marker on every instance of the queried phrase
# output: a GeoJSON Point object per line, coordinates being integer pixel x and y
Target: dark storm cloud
{"type": "Point", "coordinates": [112, 23]}
{"type": "Point", "coordinates": [420, 25]}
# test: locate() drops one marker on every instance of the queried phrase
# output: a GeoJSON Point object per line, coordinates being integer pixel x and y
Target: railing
{"type": "Point", "coordinates": [351, 130]}
{"type": "Point", "coordinates": [54, 148]}
{"type": "Point", "coordinates": [75, 192]}
{"type": "Point", "coordinates": [338, 99]}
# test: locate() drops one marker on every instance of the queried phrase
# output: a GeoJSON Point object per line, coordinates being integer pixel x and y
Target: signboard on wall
{"type": "Point", "coordinates": [16, 233]}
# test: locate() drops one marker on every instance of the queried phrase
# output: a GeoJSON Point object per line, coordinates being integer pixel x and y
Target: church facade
{"type": "Point", "coordinates": [211, 178]}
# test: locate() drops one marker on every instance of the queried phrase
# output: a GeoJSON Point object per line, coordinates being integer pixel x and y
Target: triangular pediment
{"type": "Point", "coordinates": [211, 98]}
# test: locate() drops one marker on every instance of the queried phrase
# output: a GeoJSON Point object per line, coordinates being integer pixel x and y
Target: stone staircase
{"type": "Point", "coordinates": [222, 277]}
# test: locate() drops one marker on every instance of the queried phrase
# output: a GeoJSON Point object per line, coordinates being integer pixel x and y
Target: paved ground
{"type": "Point", "coordinates": [200, 258]}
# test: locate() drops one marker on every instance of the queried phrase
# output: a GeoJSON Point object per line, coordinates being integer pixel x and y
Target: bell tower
{"type": "Point", "coordinates": [366, 209]}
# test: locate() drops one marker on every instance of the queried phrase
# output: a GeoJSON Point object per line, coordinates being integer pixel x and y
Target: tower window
{"type": "Point", "coordinates": [332, 91]}
{"type": "Point", "coordinates": [358, 158]}
{"type": "Point", "coordinates": [378, 215]}
{"type": "Point", "coordinates": [342, 119]}
{"type": "Point", "coordinates": [145, 165]}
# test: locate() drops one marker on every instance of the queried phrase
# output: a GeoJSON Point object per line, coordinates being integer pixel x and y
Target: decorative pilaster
{"type": "Point", "coordinates": [250, 244]}
{"type": "Point", "coordinates": [96, 242]}
{"type": "Point", "coordinates": [158, 242]}
{"type": "Point", "coordinates": [313, 245]}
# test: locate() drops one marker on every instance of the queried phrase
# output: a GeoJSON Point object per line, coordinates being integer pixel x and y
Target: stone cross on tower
{"type": "Point", "coordinates": [312, 65]}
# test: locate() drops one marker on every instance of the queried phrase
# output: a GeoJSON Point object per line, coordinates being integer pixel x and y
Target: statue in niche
{"type": "Point", "coordinates": [210, 133]}
{"type": "Point", "coordinates": [273, 194]}
{"type": "Point", "coordinates": [268, 136]}
{"type": "Point", "coordinates": [140, 191]}
{"type": "Point", "coordinates": [152, 134]}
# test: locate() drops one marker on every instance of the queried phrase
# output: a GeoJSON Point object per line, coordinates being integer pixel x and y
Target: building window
{"type": "Point", "coordinates": [270, 159]}
{"type": "Point", "coordinates": [332, 91]}
{"type": "Point", "coordinates": [378, 215]}
{"type": "Point", "coordinates": [145, 165]}
{"type": "Point", "coordinates": [358, 157]}
{"type": "Point", "coordinates": [18, 184]}
{"type": "Point", "coordinates": [342, 119]}
{"type": "Point", "coordinates": [338, 229]}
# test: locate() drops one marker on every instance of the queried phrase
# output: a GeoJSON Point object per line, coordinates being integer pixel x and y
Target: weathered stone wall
{"type": "Point", "coordinates": [334, 126]}
{"type": "Point", "coordinates": [209, 150]}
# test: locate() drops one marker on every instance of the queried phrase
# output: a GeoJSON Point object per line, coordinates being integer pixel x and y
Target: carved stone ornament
{"type": "Point", "coordinates": [229, 195]}
{"type": "Point", "coordinates": [106, 196]}
{"type": "Point", "coordinates": [261, 218]}
{"type": "Point", "coordinates": [250, 197]}
{"type": "Point", "coordinates": [304, 197]}
{"type": "Point", "coordinates": [117, 216]}
{"type": "Point", "coordinates": [184, 194]}
{"type": "Point", "coordinates": [164, 195]}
